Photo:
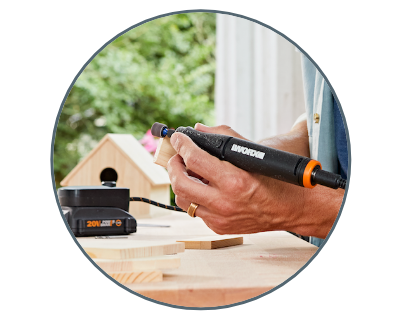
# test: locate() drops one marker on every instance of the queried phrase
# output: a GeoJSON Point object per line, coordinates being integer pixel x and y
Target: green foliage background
{"type": "Point", "coordinates": [161, 71]}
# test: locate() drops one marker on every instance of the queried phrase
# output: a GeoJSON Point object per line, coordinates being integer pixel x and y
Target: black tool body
{"type": "Point", "coordinates": [97, 210]}
{"type": "Point", "coordinates": [253, 157]}
{"type": "Point", "coordinates": [250, 156]}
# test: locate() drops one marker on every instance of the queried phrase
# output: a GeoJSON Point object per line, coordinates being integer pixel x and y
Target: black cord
{"type": "Point", "coordinates": [175, 208]}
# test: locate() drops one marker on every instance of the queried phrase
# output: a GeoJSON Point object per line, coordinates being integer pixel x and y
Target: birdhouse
{"type": "Point", "coordinates": [121, 158]}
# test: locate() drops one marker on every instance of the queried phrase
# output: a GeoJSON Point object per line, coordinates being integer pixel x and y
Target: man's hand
{"type": "Point", "coordinates": [233, 201]}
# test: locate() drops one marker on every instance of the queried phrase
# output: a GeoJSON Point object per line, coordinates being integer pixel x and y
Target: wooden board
{"type": "Point", "coordinates": [164, 152]}
{"type": "Point", "coordinates": [137, 276]}
{"type": "Point", "coordinates": [128, 249]}
{"type": "Point", "coordinates": [210, 278]}
{"type": "Point", "coordinates": [212, 242]}
{"type": "Point", "coordinates": [151, 263]}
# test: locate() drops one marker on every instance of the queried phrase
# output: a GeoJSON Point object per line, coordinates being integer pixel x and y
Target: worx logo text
{"type": "Point", "coordinates": [248, 151]}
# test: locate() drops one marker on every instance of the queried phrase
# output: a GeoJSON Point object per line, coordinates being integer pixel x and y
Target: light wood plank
{"type": "Point", "coordinates": [212, 242]}
{"type": "Point", "coordinates": [164, 152]}
{"type": "Point", "coordinates": [137, 276]}
{"type": "Point", "coordinates": [151, 263]}
{"type": "Point", "coordinates": [128, 249]}
{"type": "Point", "coordinates": [209, 278]}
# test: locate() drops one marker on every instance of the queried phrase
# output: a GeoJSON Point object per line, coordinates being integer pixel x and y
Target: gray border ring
{"type": "Point", "coordinates": [55, 130]}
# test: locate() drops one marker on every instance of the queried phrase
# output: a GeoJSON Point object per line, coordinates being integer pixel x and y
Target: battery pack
{"type": "Point", "coordinates": [97, 210]}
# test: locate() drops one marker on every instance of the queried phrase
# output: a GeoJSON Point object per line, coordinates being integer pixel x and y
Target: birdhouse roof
{"type": "Point", "coordinates": [133, 151]}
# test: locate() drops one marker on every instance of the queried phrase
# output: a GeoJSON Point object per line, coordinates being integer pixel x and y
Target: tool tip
{"type": "Point", "coordinates": [157, 129]}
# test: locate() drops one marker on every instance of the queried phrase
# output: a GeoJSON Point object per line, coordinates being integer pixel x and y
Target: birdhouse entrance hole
{"type": "Point", "coordinates": [108, 175]}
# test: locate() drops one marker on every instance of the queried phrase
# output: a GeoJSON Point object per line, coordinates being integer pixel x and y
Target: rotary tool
{"type": "Point", "coordinates": [256, 158]}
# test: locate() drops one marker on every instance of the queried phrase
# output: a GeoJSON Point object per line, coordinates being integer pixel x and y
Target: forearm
{"type": "Point", "coordinates": [295, 141]}
{"type": "Point", "coordinates": [314, 210]}
{"type": "Point", "coordinates": [321, 207]}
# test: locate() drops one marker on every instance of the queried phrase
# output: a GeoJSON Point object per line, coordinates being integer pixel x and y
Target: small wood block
{"type": "Point", "coordinates": [164, 152]}
{"type": "Point", "coordinates": [137, 276]}
{"type": "Point", "coordinates": [212, 242]}
{"type": "Point", "coordinates": [129, 249]}
{"type": "Point", "coordinates": [151, 263]}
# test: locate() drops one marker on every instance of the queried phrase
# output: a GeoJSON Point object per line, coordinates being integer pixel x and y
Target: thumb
{"type": "Point", "coordinates": [222, 129]}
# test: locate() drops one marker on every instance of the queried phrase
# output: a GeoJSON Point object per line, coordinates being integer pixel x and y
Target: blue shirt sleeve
{"type": "Point", "coordinates": [340, 140]}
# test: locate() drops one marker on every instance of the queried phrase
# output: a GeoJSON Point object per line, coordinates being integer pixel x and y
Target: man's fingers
{"type": "Point", "coordinates": [223, 129]}
{"type": "Point", "coordinates": [194, 174]}
{"type": "Point", "coordinates": [185, 185]}
{"type": "Point", "coordinates": [212, 220]}
{"type": "Point", "coordinates": [196, 159]}
{"type": "Point", "coordinates": [184, 204]}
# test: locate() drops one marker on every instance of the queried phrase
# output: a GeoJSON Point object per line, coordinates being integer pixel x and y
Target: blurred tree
{"type": "Point", "coordinates": [160, 71]}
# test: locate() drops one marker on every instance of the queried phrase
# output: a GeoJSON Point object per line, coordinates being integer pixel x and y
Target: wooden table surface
{"type": "Point", "coordinates": [209, 278]}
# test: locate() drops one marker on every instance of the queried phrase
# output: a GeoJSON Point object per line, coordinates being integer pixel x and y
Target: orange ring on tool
{"type": "Point", "coordinates": [308, 171]}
